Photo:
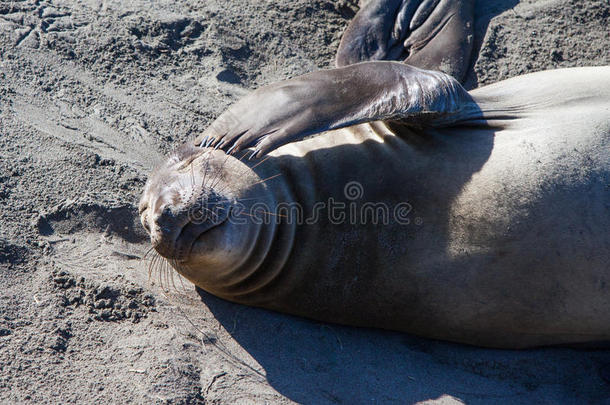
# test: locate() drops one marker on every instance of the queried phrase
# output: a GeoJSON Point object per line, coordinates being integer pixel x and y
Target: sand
{"type": "Point", "coordinates": [93, 94]}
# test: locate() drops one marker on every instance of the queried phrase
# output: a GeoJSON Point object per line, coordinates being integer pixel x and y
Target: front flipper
{"type": "Point", "coordinates": [429, 34]}
{"type": "Point", "coordinates": [289, 111]}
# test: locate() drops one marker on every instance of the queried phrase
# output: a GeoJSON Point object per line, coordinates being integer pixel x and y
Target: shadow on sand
{"type": "Point", "coordinates": [312, 363]}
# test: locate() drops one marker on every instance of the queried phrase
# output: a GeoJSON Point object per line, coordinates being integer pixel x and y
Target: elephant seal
{"type": "Point", "coordinates": [478, 217]}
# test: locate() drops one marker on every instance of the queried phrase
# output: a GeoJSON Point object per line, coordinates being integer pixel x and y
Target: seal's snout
{"type": "Point", "coordinates": [177, 214]}
{"type": "Point", "coordinates": [164, 219]}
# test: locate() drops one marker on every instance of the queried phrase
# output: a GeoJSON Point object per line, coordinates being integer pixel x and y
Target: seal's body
{"type": "Point", "coordinates": [507, 243]}
{"type": "Point", "coordinates": [487, 223]}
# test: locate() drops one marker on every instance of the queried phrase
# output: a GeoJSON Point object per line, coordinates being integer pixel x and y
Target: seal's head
{"type": "Point", "coordinates": [193, 208]}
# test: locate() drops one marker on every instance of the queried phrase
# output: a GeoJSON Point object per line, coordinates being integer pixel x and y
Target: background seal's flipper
{"type": "Point", "coordinates": [430, 34]}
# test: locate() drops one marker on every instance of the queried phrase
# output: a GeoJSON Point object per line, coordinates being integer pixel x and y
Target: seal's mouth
{"type": "Point", "coordinates": [192, 233]}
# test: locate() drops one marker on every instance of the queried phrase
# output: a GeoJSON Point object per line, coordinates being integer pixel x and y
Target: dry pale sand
{"type": "Point", "coordinates": [93, 93]}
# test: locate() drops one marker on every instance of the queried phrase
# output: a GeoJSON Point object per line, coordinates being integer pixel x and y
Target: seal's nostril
{"type": "Point", "coordinates": [146, 225]}
{"type": "Point", "coordinates": [143, 207]}
{"type": "Point", "coordinates": [163, 221]}
{"type": "Point", "coordinates": [144, 220]}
